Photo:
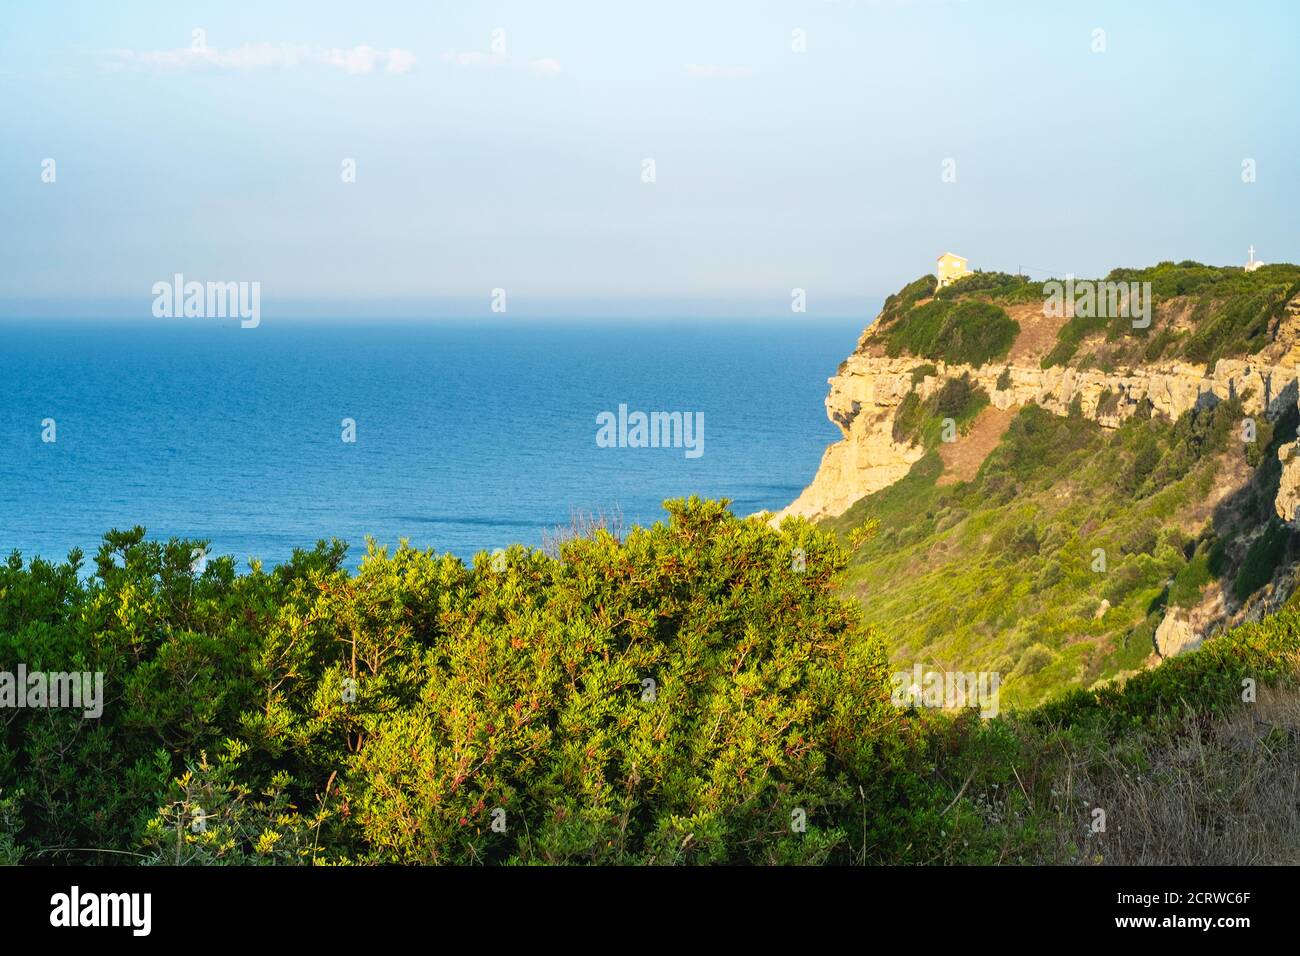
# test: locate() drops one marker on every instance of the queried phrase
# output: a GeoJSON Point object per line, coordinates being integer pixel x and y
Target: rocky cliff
{"type": "Point", "coordinates": [1208, 558]}
{"type": "Point", "coordinates": [871, 385]}
{"type": "Point", "coordinates": [869, 388]}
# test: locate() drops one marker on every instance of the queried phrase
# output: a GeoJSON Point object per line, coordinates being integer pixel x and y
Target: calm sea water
{"type": "Point", "coordinates": [470, 436]}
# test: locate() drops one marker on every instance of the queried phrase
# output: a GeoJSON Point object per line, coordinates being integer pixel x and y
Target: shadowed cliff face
{"type": "Point", "coordinates": [1288, 492]}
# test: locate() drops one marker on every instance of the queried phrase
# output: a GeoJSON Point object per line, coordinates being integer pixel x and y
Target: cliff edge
{"type": "Point", "coordinates": [874, 382]}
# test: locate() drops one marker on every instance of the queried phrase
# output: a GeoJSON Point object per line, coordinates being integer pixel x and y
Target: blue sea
{"type": "Point", "coordinates": [469, 435]}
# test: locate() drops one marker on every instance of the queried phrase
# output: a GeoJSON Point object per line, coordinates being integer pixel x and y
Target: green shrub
{"type": "Point", "coordinates": [1013, 542]}
{"type": "Point", "coordinates": [1133, 479]}
{"type": "Point", "coordinates": [1190, 581]}
{"type": "Point", "coordinates": [1233, 314]}
{"type": "Point", "coordinates": [908, 418]}
{"type": "Point", "coordinates": [918, 421]}
{"type": "Point", "coordinates": [1034, 659]}
{"type": "Point", "coordinates": [993, 285]}
{"type": "Point", "coordinates": [1262, 559]}
{"type": "Point", "coordinates": [901, 301]}
{"type": "Point", "coordinates": [1071, 334]}
{"type": "Point", "coordinates": [968, 332]}
{"type": "Point", "coordinates": [954, 396]}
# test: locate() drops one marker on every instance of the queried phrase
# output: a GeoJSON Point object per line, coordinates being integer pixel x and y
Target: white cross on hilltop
{"type": "Point", "coordinates": [1253, 264]}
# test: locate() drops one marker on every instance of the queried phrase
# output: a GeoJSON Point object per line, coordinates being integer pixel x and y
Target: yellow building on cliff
{"type": "Point", "coordinates": [951, 267]}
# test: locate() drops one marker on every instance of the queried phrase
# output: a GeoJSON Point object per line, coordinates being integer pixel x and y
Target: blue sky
{"type": "Point", "coordinates": [523, 170]}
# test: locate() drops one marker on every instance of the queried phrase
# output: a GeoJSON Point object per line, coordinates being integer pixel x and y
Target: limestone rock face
{"type": "Point", "coordinates": [1176, 634]}
{"type": "Point", "coordinates": [865, 395]}
{"type": "Point", "coordinates": [1184, 629]}
{"type": "Point", "coordinates": [1288, 492]}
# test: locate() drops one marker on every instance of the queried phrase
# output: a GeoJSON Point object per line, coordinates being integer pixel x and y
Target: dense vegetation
{"type": "Point", "coordinates": [673, 697]}
{"type": "Point", "coordinates": [919, 421]}
{"type": "Point", "coordinates": [1200, 314]}
{"type": "Point", "coordinates": [966, 332]}
{"type": "Point", "coordinates": [518, 696]}
{"type": "Point", "coordinates": [996, 286]}
{"type": "Point", "coordinates": [954, 324]}
{"type": "Point", "coordinates": [1054, 565]}
{"type": "Point", "coordinates": [898, 304]}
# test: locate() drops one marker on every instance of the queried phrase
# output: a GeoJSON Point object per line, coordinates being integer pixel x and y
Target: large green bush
{"type": "Point", "coordinates": [922, 421]}
{"type": "Point", "coordinates": [966, 332]}
{"type": "Point", "coordinates": [684, 695]}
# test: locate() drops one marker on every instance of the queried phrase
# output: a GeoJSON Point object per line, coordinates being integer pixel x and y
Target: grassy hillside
{"type": "Point", "coordinates": [1004, 573]}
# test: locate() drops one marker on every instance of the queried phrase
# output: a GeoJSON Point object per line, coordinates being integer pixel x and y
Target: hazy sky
{"type": "Point", "coordinates": [523, 170]}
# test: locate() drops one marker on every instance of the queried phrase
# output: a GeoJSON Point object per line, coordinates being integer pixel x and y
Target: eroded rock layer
{"type": "Point", "coordinates": [868, 390]}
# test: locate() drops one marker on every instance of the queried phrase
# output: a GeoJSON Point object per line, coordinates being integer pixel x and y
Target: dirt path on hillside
{"type": "Point", "coordinates": [963, 457]}
{"type": "Point", "coordinates": [1037, 333]}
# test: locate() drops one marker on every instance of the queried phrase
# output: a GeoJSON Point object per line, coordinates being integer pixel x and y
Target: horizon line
{"type": "Point", "coordinates": [413, 308]}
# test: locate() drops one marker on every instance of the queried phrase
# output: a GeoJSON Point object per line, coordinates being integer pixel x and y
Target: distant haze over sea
{"type": "Point", "coordinates": [774, 306]}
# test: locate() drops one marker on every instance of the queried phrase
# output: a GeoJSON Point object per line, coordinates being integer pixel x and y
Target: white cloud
{"type": "Point", "coordinates": [473, 59]}
{"type": "Point", "coordinates": [356, 60]}
{"type": "Point", "coordinates": [400, 61]}
{"type": "Point", "coordinates": [712, 70]}
{"type": "Point", "coordinates": [546, 65]}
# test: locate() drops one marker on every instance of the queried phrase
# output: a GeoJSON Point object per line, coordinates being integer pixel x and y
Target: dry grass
{"type": "Point", "coordinates": [582, 524]}
{"type": "Point", "coordinates": [1223, 792]}
{"type": "Point", "coordinates": [963, 457]}
{"type": "Point", "coordinates": [1038, 332]}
